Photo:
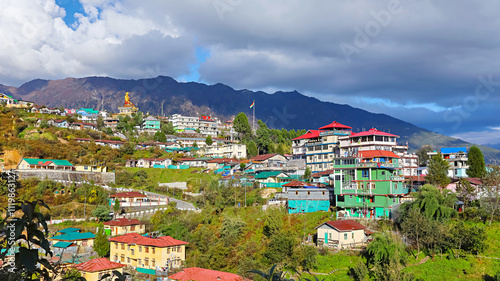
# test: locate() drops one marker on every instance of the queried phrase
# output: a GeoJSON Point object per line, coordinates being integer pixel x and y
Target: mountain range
{"type": "Point", "coordinates": [165, 96]}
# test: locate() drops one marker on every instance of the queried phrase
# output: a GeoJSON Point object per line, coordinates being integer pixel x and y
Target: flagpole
{"type": "Point", "coordinates": [253, 123]}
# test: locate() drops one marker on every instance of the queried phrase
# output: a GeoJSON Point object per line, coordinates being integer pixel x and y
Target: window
{"type": "Point", "coordinates": [345, 236]}
{"type": "Point", "coordinates": [116, 246]}
{"type": "Point", "coordinates": [132, 252]}
{"type": "Point", "coordinates": [139, 262]}
{"type": "Point", "coordinates": [330, 236]}
{"type": "Point", "coordinates": [168, 250]}
{"type": "Point", "coordinates": [323, 193]}
{"type": "Point", "coordinates": [122, 258]}
{"type": "Point", "coordinates": [123, 246]}
{"type": "Point", "coordinates": [308, 192]}
{"type": "Point", "coordinates": [364, 173]}
{"type": "Point", "coordinates": [140, 249]}
{"type": "Point", "coordinates": [179, 249]}
{"type": "Point", "coordinates": [132, 228]}
{"type": "Point", "coordinates": [153, 249]}
{"type": "Point", "coordinates": [128, 260]}
{"type": "Point", "coordinates": [146, 249]}
{"type": "Point", "coordinates": [353, 235]}
{"type": "Point", "coordinates": [296, 193]}
{"type": "Point", "coordinates": [153, 262]}
{"type": "Point", "coordinates": [146, 262]}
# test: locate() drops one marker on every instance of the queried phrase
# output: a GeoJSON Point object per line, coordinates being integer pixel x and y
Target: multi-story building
{"type": "Point", "coordinates": [368, 184]}
{"type": "Point", "coordinates": [184, 124]}
{"type": "Point", "coordinates": [457, 158]}
{"type": "Point", "coordinates": [374, 139]}
{"type": "Point", "coordinates": [210, 126]}
{"type": "Point", "coordinates": [146, 252]}
{"type": "Point", "coordinates": [323, 145]}
{"type": "Point", "coordinates": [225, 151]}
{"type": "Point", "coordinates": [151, 123]}
{"type": "Point", "coordinates": [122, 226]}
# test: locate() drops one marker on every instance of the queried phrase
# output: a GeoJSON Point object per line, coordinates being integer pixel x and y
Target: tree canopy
{"type": "Point", "coordinates": [438, 171]}
{"type": "Point", "coordinates": [475, 162]}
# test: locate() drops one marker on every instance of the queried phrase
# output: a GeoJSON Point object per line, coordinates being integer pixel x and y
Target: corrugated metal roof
{"type": "Point", "coordinates": [98, 265]}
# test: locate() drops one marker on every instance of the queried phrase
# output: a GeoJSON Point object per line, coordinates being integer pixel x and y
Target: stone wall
{"type": "Point", "coordinates": [73, 176]}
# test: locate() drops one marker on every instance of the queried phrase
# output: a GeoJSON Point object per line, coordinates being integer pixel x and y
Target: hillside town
{"type": "Point", "coordinates": [354, 180]}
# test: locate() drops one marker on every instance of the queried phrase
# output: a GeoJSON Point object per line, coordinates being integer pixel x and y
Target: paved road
{"type": "Point", "coordinates": [183, 205]}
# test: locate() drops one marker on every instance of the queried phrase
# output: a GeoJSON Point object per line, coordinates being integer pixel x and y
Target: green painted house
{"type": "Point", "coordinates": [46, 164]}
{"type": "Point", "coordinates": [151, 123]}
{"type": "Point", "coordinates": [369, 185]}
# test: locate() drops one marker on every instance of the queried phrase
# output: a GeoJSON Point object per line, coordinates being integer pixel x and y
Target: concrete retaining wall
{"type": "Point", "coordinates": [98, 178]}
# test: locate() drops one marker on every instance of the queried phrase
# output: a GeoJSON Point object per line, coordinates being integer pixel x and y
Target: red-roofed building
{"type": "Point", "coordinates": [146, 252]}
{"type": "Point", "coordinates": [129, 197]}
{"type": "Point", "coordinates": [318, 147]}
{"type": "Point", "coordinates": [123, 226]}
{"type": "Point", "coordinates": [202, 274]}
{"type": "Point", "coordinates": [335, 126]}
{"type": "Point", "coordinates": [376, 140]}
{"type": "Point", "coordinates": [94, 269]}
{"type": "Point", "coordinates": [341, 234]}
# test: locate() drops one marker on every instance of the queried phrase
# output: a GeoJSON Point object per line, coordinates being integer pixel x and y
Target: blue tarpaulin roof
{"type": "Point", "coordinates": [447, 150]}
{"type": "Point", "coordinates": [62, 244]}
{"type": "Point", "coordinates": [146, 270]}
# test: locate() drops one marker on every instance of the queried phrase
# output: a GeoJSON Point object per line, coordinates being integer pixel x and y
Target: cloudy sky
{"type": "Point", "coordinates": [433, 63]}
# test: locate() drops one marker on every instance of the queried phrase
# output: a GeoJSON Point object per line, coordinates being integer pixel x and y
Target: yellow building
{"type": "Point", "coordinates": [146, 252]}
{"type": "Point", "coordinates": [91, 168]}
{"type": "Point", "coordinates": [93, 270]}
{"type": "Point", "coordinates": [123, 226]}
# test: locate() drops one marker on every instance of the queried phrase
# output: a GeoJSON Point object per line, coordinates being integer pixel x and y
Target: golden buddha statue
{"type": "Point", "coordinates": [128, 103]}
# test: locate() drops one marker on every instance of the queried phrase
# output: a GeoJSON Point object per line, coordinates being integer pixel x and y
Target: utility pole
{"type": "Point", "coordinates": [85, 205]}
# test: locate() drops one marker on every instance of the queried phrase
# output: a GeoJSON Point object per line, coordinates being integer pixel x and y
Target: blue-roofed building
{"type": "Point", "coordinates": [84, 239]}
{"type": "Point", "coordinates": [69, 230]}
{"type": "Point", "coordinates": [457, 158]}
{"type": "Point", "coordinates": [61, 247]}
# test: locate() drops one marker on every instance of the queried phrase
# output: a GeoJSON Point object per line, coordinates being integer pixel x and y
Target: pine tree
{"type": "Point", "coordinates": [476, 163]}
{"type": "Point", "coordinates": [208, 140]}
{"type": "Point", "coordinates": [101, 244]}
{"type": "Point", "coordinates": [438, 171]}
{"type": "Point", "coordinates": [251, 149]}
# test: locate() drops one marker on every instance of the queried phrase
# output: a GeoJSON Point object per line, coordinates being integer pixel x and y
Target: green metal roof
{"type": "Point", "coordinates": [62, 244]}
{"type": "Point", "coordinates": [146, 270]}
{"type": "Point", "coordinates": [89, 110]}
{"type": "Point", "coordinates": [69, 229]}
{"type": "Point", "coordinates": [74, 236]}
{"type": "Point", "coordinates": [35, 161]}
{"type": "Point", "coordinates": [265, 175]}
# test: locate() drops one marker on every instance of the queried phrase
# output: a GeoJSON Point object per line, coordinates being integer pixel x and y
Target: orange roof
{"type": "Point", "coordinates": [128, 194]}
{"type": "Point", "coordinates": [296, 183]}
{"type": "Point", "coordinates": [123, 222]}
{"type": "Point", "coordinates": [98, 265]}
{"type": "Point", "coordinates": [202, 274]}
{"type": "Point", "coordinates": [134, 238]}
{"type": "Point", "coordinates": [377, 153]}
